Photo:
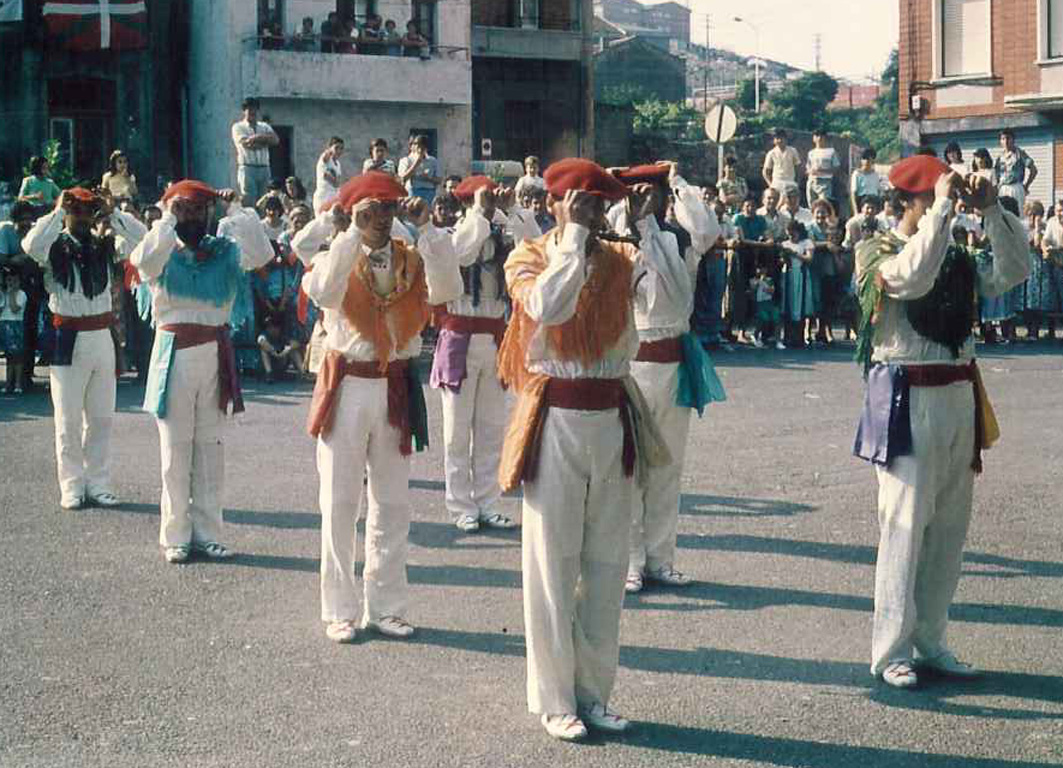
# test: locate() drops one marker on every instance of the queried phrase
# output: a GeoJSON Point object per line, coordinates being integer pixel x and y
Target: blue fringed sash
{"type": "Point", "coordinates": [698, 383]}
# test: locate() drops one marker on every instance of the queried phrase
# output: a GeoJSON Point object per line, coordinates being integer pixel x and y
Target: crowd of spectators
{"type": "Point", "coordinates": [780, 274]}
{"type": "Point", "coordinates": [340, 33]}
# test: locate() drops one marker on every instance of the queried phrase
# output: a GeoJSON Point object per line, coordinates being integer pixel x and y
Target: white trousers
{"type": "Point", "coordinates": [656, 505]}
{"type": "Point", "coordinates": [924, 508]}
{"type": "Point", "coordinates": [192, 450]}
{"type": "Point", "coordinates": [361, 441]}
{"type": "Point", "coordinates": [83, 396]}
{"type": "Point", "coordinates": [575, 552]}
{"type": "Point", "coordinates": [474, 424]}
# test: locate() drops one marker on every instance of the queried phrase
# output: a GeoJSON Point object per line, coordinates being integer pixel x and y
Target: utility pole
{"type": "Point", "coordinates": [817, 51]}
{"type": "Point", "coordinates": [705, 66]}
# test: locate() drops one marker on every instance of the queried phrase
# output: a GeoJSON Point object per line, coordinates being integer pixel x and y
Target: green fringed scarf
{"type": "Point", "coordinates": [945, 315]}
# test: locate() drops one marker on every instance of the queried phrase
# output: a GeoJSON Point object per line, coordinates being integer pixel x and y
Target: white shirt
{"type": "Point", "coordinates": [911, 274]}
{"type": "Point", "coordinates": [473, 243]}
{"type": "Point", "coordinates": [150, 257]}
{"type": "Point", "coordinates": [1053, 234]}
{"type": "Point", "coordinates": [552, 299]}
{"type": "Point", "coordinates": [326, 285]}
{"type": "Point", "coordinates": [803, 215]}
{"type": "Point", "coordinates": [324, 190]}
{"type": "Point", "coordinates": [73, 303]}
{"type": "Point", "coordinates": [782, 165]}
{"type": "Point", "coordinates": [527, 183]}
{"type": "Point", "coordinates": [664, 298]}
{"type": "Point", "coordinates": [822, 163]}
{"type": "Point", "coordinates": [244, 156]}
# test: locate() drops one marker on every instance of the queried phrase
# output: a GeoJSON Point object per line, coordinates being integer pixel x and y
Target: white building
{"type": "Point", "coordinates": [308, 96]}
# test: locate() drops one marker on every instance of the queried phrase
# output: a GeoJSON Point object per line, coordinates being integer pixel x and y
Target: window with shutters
{"type": "Point", "coordinates": [963, 36]}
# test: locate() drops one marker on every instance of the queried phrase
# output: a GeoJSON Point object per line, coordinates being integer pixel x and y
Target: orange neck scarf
{"type": "Point", "coordinates": [391, 321]}
{"type": "Point", "coordinates": [602, 310]}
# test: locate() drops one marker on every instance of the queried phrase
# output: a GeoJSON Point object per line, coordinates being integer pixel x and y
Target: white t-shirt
{"type": "Point", "coordinates": [244, 156]}
{"type": "Point", "coordinates": [323, 189]}
{"type": "Point", "coordinates": [782, 164]}
{"type": "Point", "coordinates": [823, 162]}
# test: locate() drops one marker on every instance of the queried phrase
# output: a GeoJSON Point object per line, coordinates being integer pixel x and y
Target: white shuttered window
{"type": "Point", "coordinates": [964, 37]}
{"type": "Point", "coordinates": [1054, 24]}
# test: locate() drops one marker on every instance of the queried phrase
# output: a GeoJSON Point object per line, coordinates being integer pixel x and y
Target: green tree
{"type": "Point", "coordinates": [654, 117]}
{"type": "Point", "coordinates": [802, 103]}
{"type": "Point", "coordinates": [59, 166]}
{"type": "Point", "coordinates": [746, 94]}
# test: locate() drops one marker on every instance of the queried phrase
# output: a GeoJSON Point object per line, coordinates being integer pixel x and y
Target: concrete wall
{"type": "Point", "coordinates": [357, 123]}
{"type": "Point", "coordinates": [225, 68]}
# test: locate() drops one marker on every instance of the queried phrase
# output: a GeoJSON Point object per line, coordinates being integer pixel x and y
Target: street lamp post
{"type": "Point", "coordinates": [756, 62]}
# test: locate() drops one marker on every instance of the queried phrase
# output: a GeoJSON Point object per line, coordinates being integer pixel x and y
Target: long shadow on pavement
{"type": "Point", "coordinates": [738, 506]}
{"type": "Point", "coordinates": [710, 596]}
{"type": "Point", "coordinates": [773, 750]}
{"type": "Point", "coordinates": [861, 554]}
{"type": "Point", "coordinates": [932, 695]}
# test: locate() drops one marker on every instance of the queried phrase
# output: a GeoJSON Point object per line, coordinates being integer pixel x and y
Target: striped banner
{"type": "Point", "coordinates": [94, 25]}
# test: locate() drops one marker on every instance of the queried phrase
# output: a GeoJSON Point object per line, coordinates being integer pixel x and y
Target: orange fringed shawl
{"type": "Point", "coordinates": [406, 307]}
{"type": "Point", "coordinates": [602, 311]}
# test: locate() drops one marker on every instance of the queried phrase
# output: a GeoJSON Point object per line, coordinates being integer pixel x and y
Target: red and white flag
{"type": "Point", "coordinates": [94, 25]}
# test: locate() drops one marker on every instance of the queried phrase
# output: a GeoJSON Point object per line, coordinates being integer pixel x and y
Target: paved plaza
{"type": "Point", "coordinates": [111, 657]}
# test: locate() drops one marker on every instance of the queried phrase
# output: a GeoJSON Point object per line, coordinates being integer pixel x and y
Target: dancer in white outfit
{"type": "Point", "coordinates": [368, 410]}
{"type": "Point", "coordinates": [673, 372]}
{"type": "Point", "coordinates": [464, 364]}
{"type": "Point", "coordinates": [78, 269]}
{"type": "Point", "coordinates": [572, 442]}
{"type": "Point", "coordinates": [194, 279]}
{"type": "Point", "coordinates": [926, 417]}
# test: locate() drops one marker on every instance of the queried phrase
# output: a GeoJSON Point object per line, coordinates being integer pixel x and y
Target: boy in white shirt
{"type": "Point", "coordinates": [781, 164]}
{"type": "Point", "coordinates": [821, 165]}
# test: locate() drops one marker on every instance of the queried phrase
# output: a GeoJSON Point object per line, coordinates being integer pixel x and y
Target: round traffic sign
{"type": "Point", "coordinates": [721, 123]}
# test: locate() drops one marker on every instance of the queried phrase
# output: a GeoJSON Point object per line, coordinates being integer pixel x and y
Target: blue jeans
{"type": "Point", "coordinates": [708, 297]}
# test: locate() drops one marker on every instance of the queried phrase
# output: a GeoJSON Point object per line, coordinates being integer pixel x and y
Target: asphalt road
{"type": "Point", "coordinates": [110, 657]}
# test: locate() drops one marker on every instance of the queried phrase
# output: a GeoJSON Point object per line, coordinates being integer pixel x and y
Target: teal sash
{"type": "Point", "coordinates": [159, 373]}
{"type": "Point", "coordinates": [698, 383]}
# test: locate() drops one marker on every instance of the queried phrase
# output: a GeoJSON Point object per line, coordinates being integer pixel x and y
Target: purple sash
{"type": "Point", "coordinates": [885, 429]}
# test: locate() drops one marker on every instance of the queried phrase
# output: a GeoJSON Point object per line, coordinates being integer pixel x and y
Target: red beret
{"type": "Point", "coordinates": [82, 195]}
{"type": "Point", "coordinates": [372, 185]}
{"type": "Point", "coordinates": [467, 189]}
{"type": "Point", "coordinates": [584, 176]}
{"type": "Point", "coordinates": [640, 174]}
{"type": "Point", "coordinates": [195, 192]}
{"type": "Point", "coordinates": [917, 173]}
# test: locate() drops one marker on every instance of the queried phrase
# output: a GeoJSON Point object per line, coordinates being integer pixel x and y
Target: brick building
{"type": "Point", "coordinates": [969, 68]}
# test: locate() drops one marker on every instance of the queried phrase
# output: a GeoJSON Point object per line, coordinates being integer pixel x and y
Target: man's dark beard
{"type": "Point", "coordinates": [191, 232]}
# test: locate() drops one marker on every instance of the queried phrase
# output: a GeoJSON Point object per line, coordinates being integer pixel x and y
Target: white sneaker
{"type": "Point", "coordinates": [758, 343]}
{"type": "Point", "coordinates": [71, 502]}
{"type": "Point", "coordinates": [601, 719]}
{"type": "Point", "coordinates": [391, 626]}
{"type": "Point", "coordinates": [666, 574]}
{"type": "Point", "coordinates": [341, 631]}
{"type": "Point", "coordinates": [497, 520]}
{"type": "Point", "coordinates": [947, 664]}
{"type": "Point", "coordinates": [900, 674]}
{"type": "Point", "coordinates": [467, 523]}
{"type": "Point", "coordinates": [633, 583]}
{"type": "Point", "coordinates": [176, 555]}
{"type": "Point", "coordinates": [780, 345]}
{"type": "Point", "coordinates": [103, 499]}
{"type": "Point", "coordinates": [564, 727]}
